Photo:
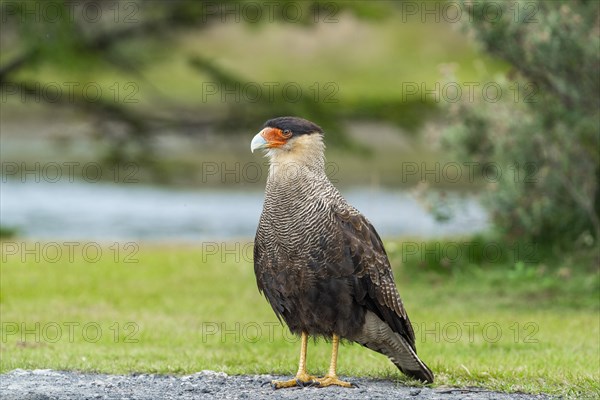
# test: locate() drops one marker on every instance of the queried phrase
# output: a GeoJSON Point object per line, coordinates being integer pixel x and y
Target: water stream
{"type": "Point", "coordinates": [101, 211]}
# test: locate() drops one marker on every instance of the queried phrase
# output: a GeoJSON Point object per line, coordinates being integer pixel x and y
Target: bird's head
{"type": "Point", "coordinates": [292, 138]}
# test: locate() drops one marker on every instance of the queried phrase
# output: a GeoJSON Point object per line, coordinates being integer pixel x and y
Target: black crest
{"type": "Point", "coordinates": [297, 126]}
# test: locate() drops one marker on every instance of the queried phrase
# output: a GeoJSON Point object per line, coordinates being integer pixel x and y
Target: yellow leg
{"type": "Point", "coordinates": [331, 379]}
{"type": "Point", "coordinates": [302, 378]}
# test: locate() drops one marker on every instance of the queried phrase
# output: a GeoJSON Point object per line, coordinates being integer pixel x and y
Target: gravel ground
{"type": "Point", "coordinates": [47, 384]}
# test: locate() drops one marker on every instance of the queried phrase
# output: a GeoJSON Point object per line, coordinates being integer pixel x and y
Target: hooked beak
{"type": "Point", "coordinates": [258, 142]}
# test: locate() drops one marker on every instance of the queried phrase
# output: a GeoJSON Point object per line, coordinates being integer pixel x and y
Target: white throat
{"type": "Point", "coordinates": [303, 152]}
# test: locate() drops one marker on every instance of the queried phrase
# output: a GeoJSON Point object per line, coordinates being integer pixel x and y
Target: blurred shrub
{"type": "Point", "coordinates": [543, 134]}
{"type": "Point", "coordinates": [7, 232]}
{"type": "Point", "coordinates": [462, 255]}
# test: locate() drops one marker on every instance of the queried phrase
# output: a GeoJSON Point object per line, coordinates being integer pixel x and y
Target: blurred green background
{"type": "Point", "coordinates": [171, 83]}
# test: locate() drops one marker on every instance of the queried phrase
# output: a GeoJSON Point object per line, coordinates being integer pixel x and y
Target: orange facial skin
{"type": "Point", "coordinates": [275, 137]}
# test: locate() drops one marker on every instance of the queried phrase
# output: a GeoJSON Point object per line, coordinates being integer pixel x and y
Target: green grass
{"type": "Point", "coordinates": [181, 310]}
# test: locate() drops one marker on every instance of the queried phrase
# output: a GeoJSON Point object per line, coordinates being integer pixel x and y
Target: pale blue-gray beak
{"type": "Point", "coordinates": [258, 142]}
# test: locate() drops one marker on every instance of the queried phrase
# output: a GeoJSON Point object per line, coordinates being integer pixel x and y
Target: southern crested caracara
{"type": "Point", "coordinates": [320, 263]}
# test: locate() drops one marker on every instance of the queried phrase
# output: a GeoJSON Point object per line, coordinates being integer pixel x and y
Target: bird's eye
{"type": "Point", "coordinates": [287, 132]}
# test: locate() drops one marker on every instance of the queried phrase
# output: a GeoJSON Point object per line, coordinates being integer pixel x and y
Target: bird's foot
{"type": "Point", "coordinates": [301, 380]}
{"type": "Point", "coordinates": [333, 380]}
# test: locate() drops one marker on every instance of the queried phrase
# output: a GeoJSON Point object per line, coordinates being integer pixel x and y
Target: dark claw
{"type": "Point", "coordinates": [354, 385]}
{"type": "Point", "coordinates": [307, 384]}
{"type": "Point", "coordinates": [266, 383]}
